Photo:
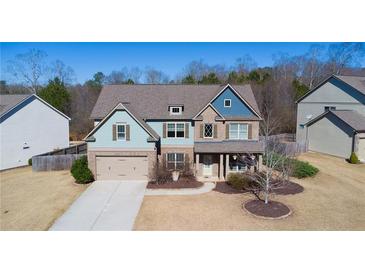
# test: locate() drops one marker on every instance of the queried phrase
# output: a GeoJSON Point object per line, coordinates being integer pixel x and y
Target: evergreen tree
{"type": "Point", "coordinates": [57, 95]}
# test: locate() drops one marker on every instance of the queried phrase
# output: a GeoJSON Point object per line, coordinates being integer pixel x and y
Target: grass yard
{"type": "Point", "coordinates": [34, 200]}
{"type": "Point", "coordinates": [333, 200]}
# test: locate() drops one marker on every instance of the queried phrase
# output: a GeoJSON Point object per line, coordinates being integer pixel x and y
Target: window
{"type": "Point", "coordinates": [208, 130]}
{"type": "Point", "coordinates": [175, 161]}
{"type": "Point", "coordinates": [175, 130]}
{"type": "Point", "coordinates": [175, 110]}
{"type": "Point", "coordinates": [327, 108]}
{"type": "Point", "coordinates": [235, 165]}
{"type": "Point", "coordinates": [120, 132]}
{"type": "Point", "coordinates": [238, 131]}
{"type": "Point", "coordinates": [227, 103]}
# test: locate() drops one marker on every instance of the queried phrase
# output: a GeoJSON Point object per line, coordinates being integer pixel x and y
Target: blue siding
{"type": "Point", "coordinates": [138, 136]}
{"type": "Point", "coordinates": [238, 108]}
{"type": "Point", "coordinates": [157, 126]}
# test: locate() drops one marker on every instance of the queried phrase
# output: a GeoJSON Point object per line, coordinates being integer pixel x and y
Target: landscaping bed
{"type": "Point", "coordinates": [225, 188]}
{"type": "Point", "coordinates": [288, 188]}
{"type": "Point", "coordinates": [271, 210]}
{"type": "Point", "coordinates": [183, 182]}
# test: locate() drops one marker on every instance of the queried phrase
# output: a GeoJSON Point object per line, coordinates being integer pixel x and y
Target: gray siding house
{"type": "Point", "coordinates": [331, 117]}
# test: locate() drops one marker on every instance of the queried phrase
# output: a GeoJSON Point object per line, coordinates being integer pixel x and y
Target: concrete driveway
{"type": "Point", "coordinates": [105, 205]}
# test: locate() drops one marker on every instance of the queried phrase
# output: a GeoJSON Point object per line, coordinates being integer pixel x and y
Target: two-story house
{"type": "Point", "coordinates": [205, 126]}
{"type": "Point", "coordinates": [331, 117]}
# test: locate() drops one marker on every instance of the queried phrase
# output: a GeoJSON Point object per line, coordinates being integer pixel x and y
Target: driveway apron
{"type": "Point", "coordinates": [105, 205]}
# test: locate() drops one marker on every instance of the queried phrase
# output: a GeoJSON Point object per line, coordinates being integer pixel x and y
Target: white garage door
{"type": "Point", "coordinates": [361, 151]}
{"type": "Point", "coordinates": [121, 168]}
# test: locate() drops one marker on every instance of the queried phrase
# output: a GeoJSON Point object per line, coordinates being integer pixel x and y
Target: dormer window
{"type": "Point", "coordinates": [175, 110]}
{"type": "Point", "coordinates": [227, 103]}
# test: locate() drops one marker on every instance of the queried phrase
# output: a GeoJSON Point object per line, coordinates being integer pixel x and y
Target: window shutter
{"type": "Point", "coordinates": [127, 133]}
{"type": "Point", "coordinates": [215, 131]}
{"type": "Point", "coordinates": [227, 131]}
{"type": "Point", "coordinates": [114, 132]}
{"type": "Point", "coordinates": [164, 130]}
{"type": "Point", "coordinates": [186, 159]}
{"type": "Point", "coordinates": [249, 131]}
{"type": "Point", "coordinates": [186, 130]}
{"type": "Point", "coordinates": [201, 130]}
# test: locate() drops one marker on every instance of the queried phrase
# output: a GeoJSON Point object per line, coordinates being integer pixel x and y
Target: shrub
{"type": "Point", "coordinates": [303, 169]}
{"type": "Point", "coordinates": [30, 161]}
{"type": "Point", "coordinates": [161, 174]}
{"type": "Point", "coordinates": [354, 159]}
{"type": "Point", "coordinates": [239, 181]}
{"type": "Point", "coordinates": [81, 172]}
{"type": "Point", "coordinates": [299, 169]}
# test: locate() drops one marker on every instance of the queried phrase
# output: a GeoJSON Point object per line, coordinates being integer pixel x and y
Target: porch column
{"type": "Point", "coordinates": [221, 177]}
{"type": "Point", "coordinates": [196, 164]}
{"type": "Point", "coordinates": [227, 165]}
{"type": "Point", "coordinates": [260, 162]}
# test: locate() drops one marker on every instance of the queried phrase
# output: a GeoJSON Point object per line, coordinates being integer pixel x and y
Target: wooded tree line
{"type": "Point", "coordinates": [276, 88]}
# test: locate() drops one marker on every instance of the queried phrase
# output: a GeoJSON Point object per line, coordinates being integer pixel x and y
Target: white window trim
{"type": "Point", "coordinates": [206, 137]}
{"type": "Point", "coordinates": [227, 100]}
{"type": "Point", "coordinates": [125, 131]}
{"type": "Point", "coordinates": [238, 132]}
{"type": "Point", "coordinates": [167, 130]}
{"type": "Point", "coordinates": [174, 162]}
{"type": "Point", "coordinates": [175, 113]}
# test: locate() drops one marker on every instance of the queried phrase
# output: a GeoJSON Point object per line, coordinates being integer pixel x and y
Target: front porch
{"type": "Point", "coordinates": [217, 167]}
{"type": "Point", "coordinates": [214, 161]}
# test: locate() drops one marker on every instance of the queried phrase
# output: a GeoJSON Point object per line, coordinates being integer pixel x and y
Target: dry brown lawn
{"type": "Point", "coordinates": [34, 200]}
{"type": "Point", "coordinates": [333, 200]}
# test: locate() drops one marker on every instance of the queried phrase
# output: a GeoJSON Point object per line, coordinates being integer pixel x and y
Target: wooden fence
{"type": "Point", "coordinates": [54, 162]}
{"type": "Point", "coordinates": [75, 149]}
{"type": "Point", "coordinates": [288, 143]}
{"type": "Point", "coordinates": [60, 159]}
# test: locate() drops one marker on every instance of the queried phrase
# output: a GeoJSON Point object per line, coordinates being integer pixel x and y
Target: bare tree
{"type": "Point", "coordinates": [135, 74]}
{"type": "Point", "coordinates": [344, 55]}
{"type": "Point", "coordinates": [28, 68]}
{"type": "Point", "coordinates": [245, 64]}
{"type": "Point", "coordinates": [314, 67]}
{"type": "Point", "coordinates": [154, 76]}
{"type": "Point", "coordinates": [197, 69]}
{"type": "Point", "coordinates": [65, 73]}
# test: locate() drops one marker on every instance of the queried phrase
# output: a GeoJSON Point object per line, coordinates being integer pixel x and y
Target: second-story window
{"type": "Point", "coordinates": [175, 130]}
{"type": "Point", "coordinates": [327, 108]}
{"type": "Point", "coordinates": [120, 131]}
{"type": "Point", "coordinates": [238, 131]}
{"type": "Point", "coordinates": [208, 130]}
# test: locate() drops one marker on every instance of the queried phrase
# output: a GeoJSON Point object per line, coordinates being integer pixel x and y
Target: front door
{"type": "Point", "coordinates": [207, 165]}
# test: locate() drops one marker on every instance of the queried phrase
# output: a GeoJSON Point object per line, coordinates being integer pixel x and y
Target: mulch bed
{"type": "Point", "coordinates": [225, 188]}
{"type": "Point", "coordinates": [288, 188]}
{"type": "Point", "coordinates": [272, 210]}
{"type": "Point", "coordinates": [181, 183]}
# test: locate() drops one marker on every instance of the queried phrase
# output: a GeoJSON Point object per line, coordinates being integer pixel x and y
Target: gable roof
{"type": "Point", "coordinates": [141, 122]}
{"type": "Point", "coordinates": [357, 82]}
{"type": "Point", "coordinates": [11, 103]}
{"type": "Point", "coordinates": [8, 101]}
{"type": "Point", "coordinates": [152, 101]}
{"type": "Point", "coordinates": [257, 113]}
{"type": "Point", "coordinates": [351, 117]}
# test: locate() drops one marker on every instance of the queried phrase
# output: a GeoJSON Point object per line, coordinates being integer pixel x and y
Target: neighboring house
{"type": "Point", "coordinates": [29, 126]}
{"type": "Point", "coordinates": [331, 117]}
{"type": "Point", "coordinates": [205, 126]}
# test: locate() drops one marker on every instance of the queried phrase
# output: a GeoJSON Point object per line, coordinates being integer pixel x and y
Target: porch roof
{"type": "Point", "coordinates": [229, 146]}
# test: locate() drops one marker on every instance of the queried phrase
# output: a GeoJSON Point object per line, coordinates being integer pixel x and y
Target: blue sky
{"type": "Point", "coordinates": [88, 58]}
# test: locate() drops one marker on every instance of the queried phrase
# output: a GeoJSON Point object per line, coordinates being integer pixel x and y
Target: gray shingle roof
{"type": "Point", "coordinates": [8, 101]}
{"type": "Point", "coordinates": [352, 118]}
{"type": "Point", "coordinates": [229, 146]}
{"type": "Point", "coordinates": [356, 82]}
{"type": "Point", "coordinates": [152, 101]}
